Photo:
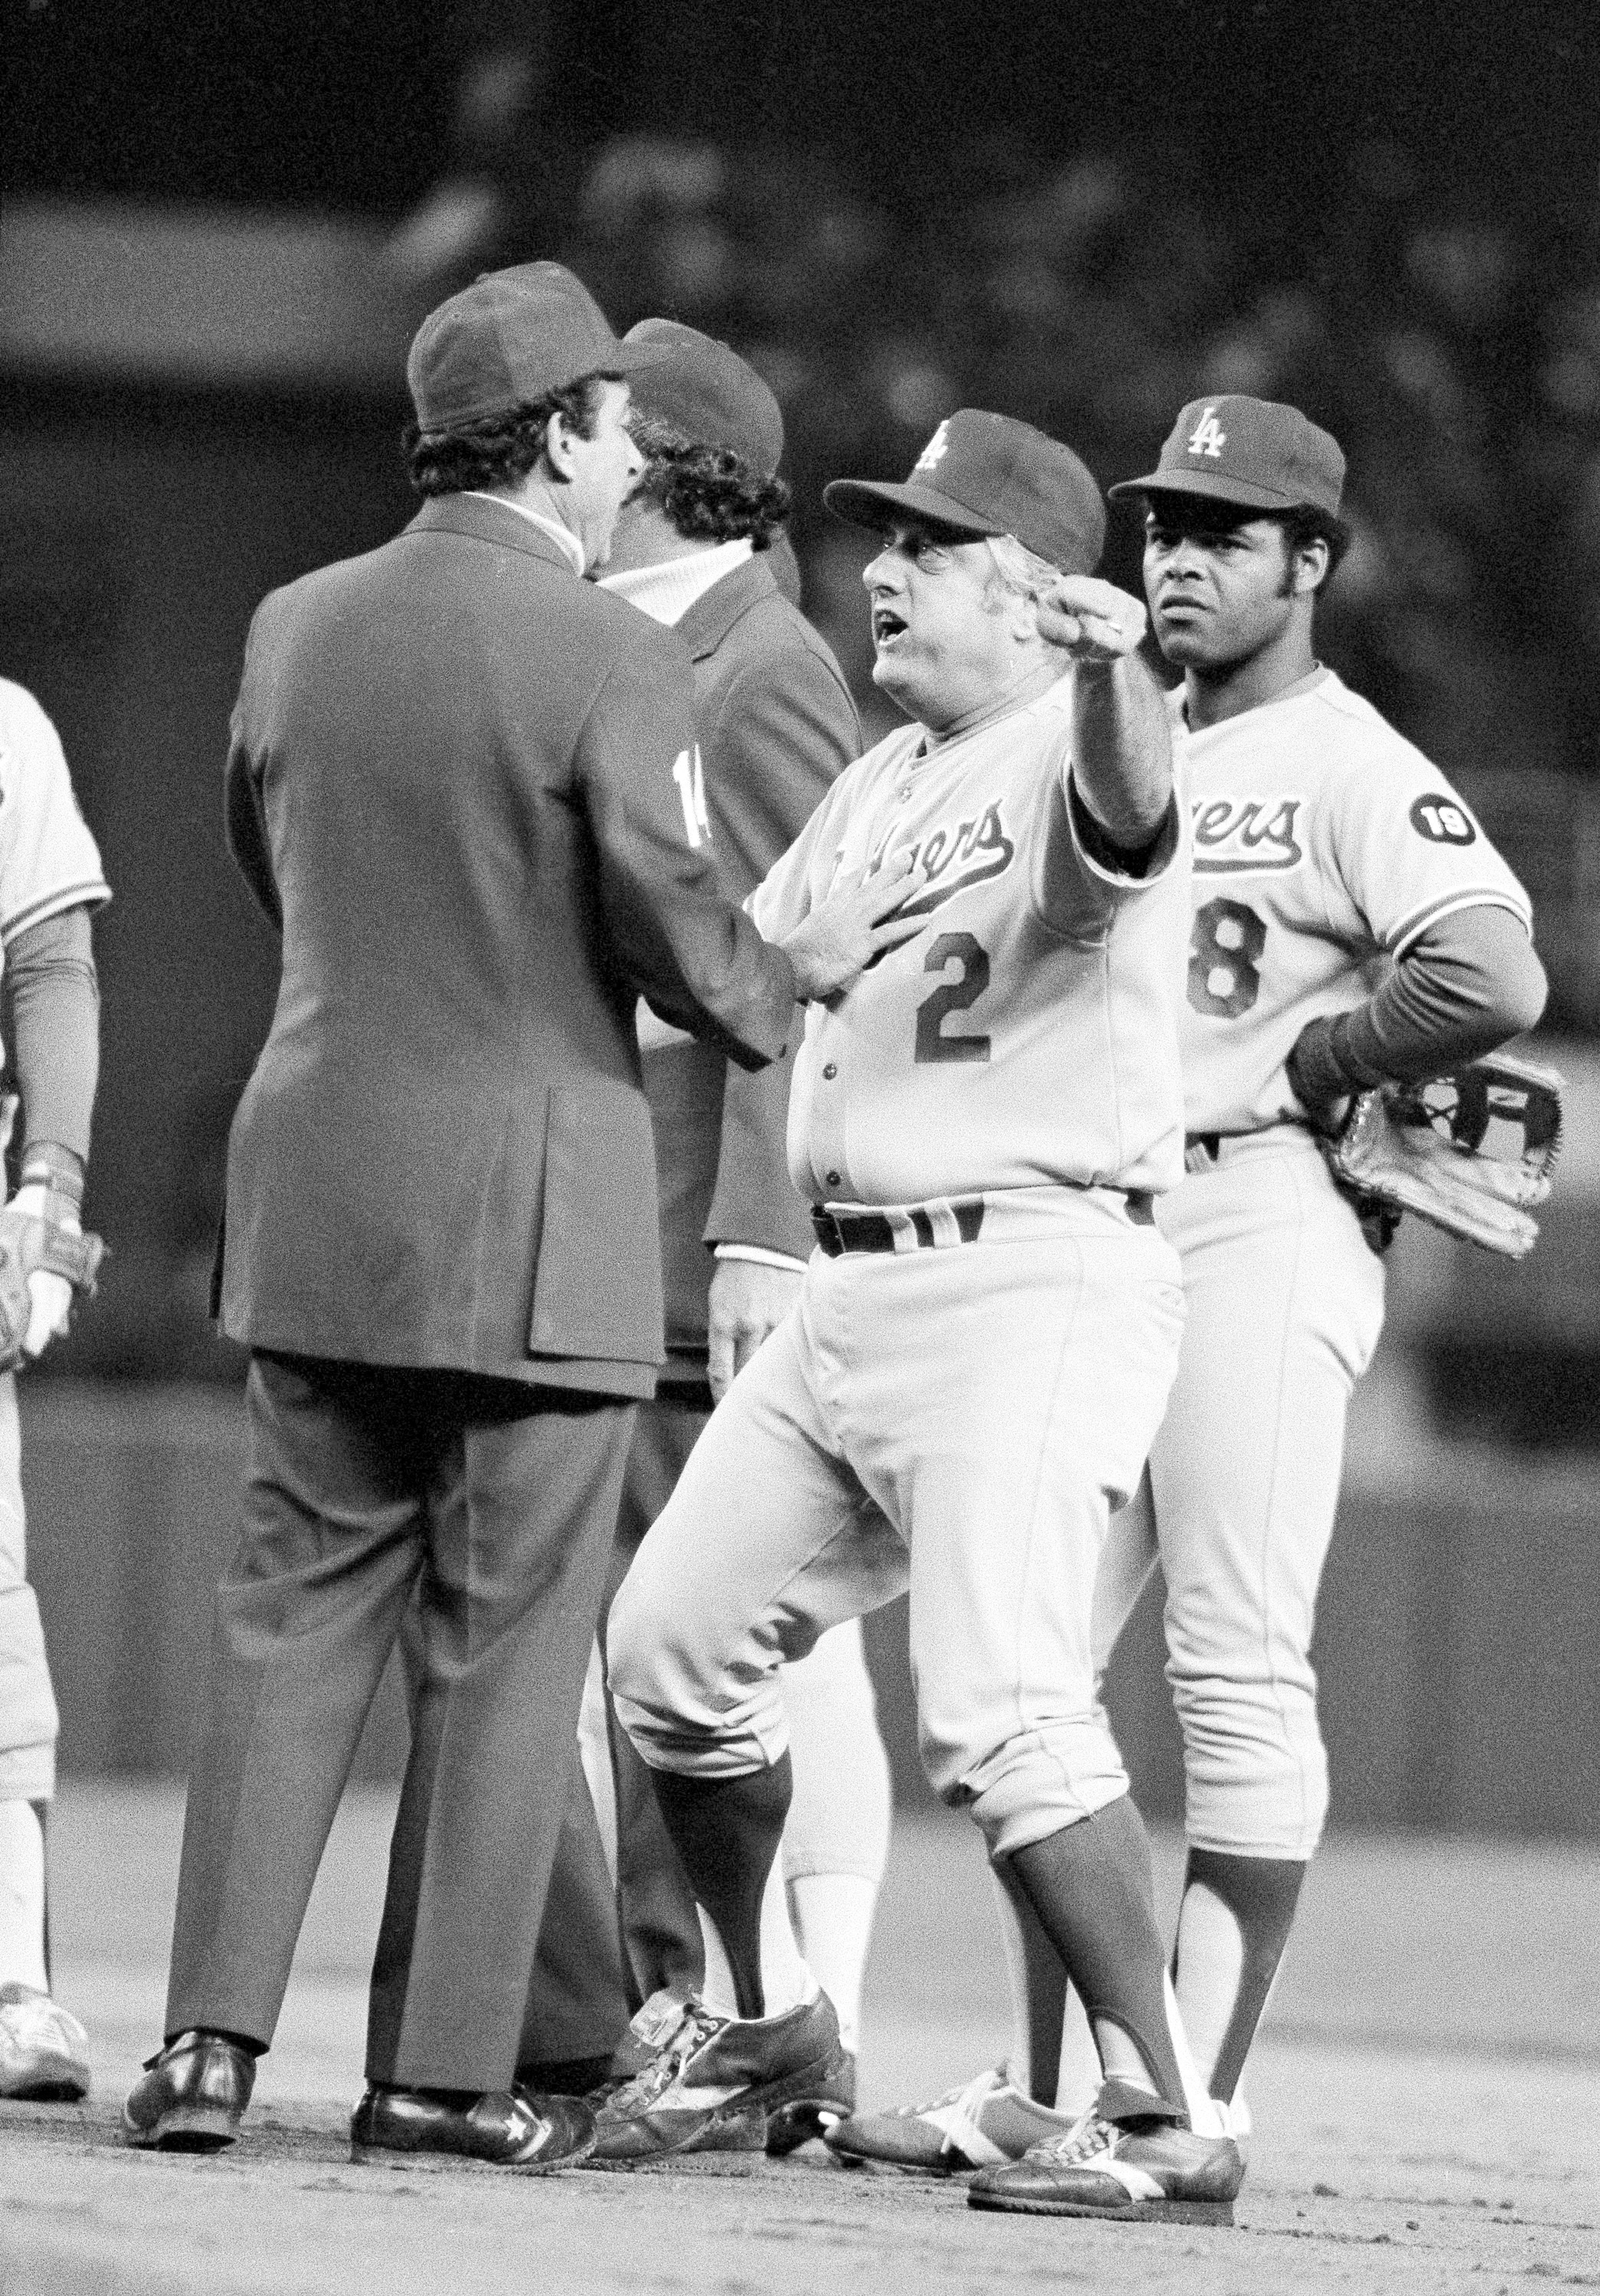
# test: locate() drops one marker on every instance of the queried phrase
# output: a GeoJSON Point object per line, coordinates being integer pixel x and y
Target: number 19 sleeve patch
{"type": "Point", "coordinates": [1442, 821]}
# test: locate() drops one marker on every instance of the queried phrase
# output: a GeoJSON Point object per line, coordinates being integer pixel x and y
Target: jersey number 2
{"type": "Point", "coordinates": [954, 996]}
{"type": "Point", "coordinates": [1224, 975]}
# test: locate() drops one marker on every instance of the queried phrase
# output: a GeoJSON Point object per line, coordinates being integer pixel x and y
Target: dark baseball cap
{"type": "Point", "coordinates": [1250, 451]}
{"type": "Point", "coordinates": [707, 391]}
{"type": "Point", "coordinates": [508, 340]}
{"type": "Point", "coordinates": [986, 474]}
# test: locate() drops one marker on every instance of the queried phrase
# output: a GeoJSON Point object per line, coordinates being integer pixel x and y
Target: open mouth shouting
{"type": "Point", "coordinates": [887, 626]}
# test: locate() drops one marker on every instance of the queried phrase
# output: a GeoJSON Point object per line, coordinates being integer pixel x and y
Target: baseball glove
{"type": "Point", "coordinates": [1469, 1152]}
{"type": "Point", "coordinates": [26, 1245]}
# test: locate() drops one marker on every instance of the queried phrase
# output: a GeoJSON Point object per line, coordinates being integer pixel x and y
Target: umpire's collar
{"type": "Point", "coordinates": [487, 518]}
{"type": "Point", "coordinates": [713, 614]}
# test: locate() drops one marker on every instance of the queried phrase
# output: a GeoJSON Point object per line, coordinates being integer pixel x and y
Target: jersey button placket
{"type": "Point", "coordinates": [830, 1071]}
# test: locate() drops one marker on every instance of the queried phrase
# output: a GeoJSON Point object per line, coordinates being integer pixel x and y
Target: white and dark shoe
{"type": "Point", "coordinates": [1144, 2173]}
{"type": "Point", "coordinates": [982, 2124]}
{"type": "Point", "coordinates": [712, 2076]}
{"type": "Point", "coordinates": [44, 2050]}
{"type": "Point", "coordinates": [649, 2032]}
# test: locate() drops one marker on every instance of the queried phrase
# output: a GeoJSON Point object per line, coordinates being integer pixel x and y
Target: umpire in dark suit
{"type": "Point", "coordinates": [454, 785]}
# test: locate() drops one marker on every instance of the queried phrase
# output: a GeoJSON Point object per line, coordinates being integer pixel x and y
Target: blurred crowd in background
{"type": "Point", "coordinates": [881, 272]}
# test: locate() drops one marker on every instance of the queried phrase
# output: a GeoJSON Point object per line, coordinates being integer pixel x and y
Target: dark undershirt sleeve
{"type": "Point", "coordinates": [54, 1033]}
{"type": "Point", "coordinates": [1461, 989]}
{"type": "Point", "coordinates": [1102, 847]}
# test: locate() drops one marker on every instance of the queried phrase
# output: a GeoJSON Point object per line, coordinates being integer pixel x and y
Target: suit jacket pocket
{"type": "Point", "coordinates": [597, 1286]}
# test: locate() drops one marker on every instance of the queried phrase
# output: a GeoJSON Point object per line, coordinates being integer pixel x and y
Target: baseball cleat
{"type": "Point", "coordinates": [980, 2125]}
{"type": "Point", "coordinates": [713, 2073]}
{"type": "Point", "coordinates": [44, 2050]}
{"type": "Point", "coordinates": [650, 2032]}
{"type": "Point", "coordinates": [833, 2100]}
{"type": "Point", "coordinates": [1141, 2174]}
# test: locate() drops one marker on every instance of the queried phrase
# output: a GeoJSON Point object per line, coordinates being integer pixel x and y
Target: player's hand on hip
{"type": "Point", "coordinates": [749, 1300]}
{"type": "Point", "coordinates": [1091, 620]}
{"type": "Point", "coordinates": [859, 920]}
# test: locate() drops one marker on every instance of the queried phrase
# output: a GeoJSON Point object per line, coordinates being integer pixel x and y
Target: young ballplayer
{"type": "Point", "coordinates": [1351, 925]}
{"type": "Point", "coordinates": [984, 1340]}
{"type": "Point", "coordinates": [50, 880]}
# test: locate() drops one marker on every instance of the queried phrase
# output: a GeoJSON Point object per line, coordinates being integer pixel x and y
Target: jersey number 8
{"type": "Point", "coordinates": [1225, 977]}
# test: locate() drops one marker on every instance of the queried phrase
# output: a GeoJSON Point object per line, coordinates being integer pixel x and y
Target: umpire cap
{"type": "Point", "coordinates": [987, 474]}
{"type": "Point", "coordinates": [708, 392]}
{"type": "Point", "coordinates": [508, 340]}
{"type": "Point", "coordinates": [1252, 452]}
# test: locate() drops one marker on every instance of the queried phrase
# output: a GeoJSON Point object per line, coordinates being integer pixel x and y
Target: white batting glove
{"type": "Point", "coordinates": [50, 1295]}
{"type": "Point", "coordinates": [1091, 620]}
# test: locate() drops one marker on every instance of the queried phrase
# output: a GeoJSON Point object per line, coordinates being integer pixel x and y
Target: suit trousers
{"type": "Point", "coordinates": [494, 1502]}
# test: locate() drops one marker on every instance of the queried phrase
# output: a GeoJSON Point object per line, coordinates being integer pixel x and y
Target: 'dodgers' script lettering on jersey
{"type": "Point", "coordinates": [1236, 833]}
{"type": "Point", "coordinates": [956, 855]}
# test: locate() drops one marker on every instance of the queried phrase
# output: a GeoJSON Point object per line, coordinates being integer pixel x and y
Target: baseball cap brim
{"type": "Point", "coordinates": [632, 358]}
{"type": "Point", "coordinates": [863, 502]}
{"type": "Point", "coordinates": [1213, 488]}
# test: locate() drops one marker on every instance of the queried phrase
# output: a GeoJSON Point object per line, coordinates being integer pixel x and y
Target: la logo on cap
{"type": "Point", "coordinates": [936, 449]}
{"type": "Point", "coordinates": [1208, 437]}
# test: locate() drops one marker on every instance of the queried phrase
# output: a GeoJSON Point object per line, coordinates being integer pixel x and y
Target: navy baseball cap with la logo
{"type": "Point", "coordinates": [987, 474]}
{"type": "Point", "coordinates": [1253, 452]}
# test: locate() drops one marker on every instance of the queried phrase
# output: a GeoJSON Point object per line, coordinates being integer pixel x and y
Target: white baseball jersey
{"type": "Point", "coordinates": [1030, 1037]}
{"type": "Point", "coordinates": [48, 860]}
{"type": "Point", "coordinates": [1324, 844]}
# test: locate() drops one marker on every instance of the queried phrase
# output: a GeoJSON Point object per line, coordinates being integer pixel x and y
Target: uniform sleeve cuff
{"type": "Point", "coordinates": [760, 1254]}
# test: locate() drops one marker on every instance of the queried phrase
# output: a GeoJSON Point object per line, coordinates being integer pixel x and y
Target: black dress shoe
{"type": "Point", "coordinates": [193, 2097]}
{"type": "Point", "coordinates": [507, 2128]}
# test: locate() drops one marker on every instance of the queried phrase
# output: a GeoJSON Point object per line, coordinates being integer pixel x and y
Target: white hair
{"type": "Point", "coordinates": [1017, 568]}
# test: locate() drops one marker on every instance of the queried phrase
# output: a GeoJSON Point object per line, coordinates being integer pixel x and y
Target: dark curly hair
{"type": "Point", "coordinates": [502, 448]}
{"type": "Point", "coordinates": [1307, 525]}
{"type": "Point", "coordinates": [708, 493]}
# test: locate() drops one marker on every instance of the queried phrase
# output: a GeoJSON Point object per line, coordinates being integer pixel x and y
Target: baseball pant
{"type": "Point", "coordinates": [838, 1821]}
{"type": "Point", "coordinates": [29, 1722]}
{"type": "Point", "coordinates": [1285, 1302]}
{"type": "Point", "coordinates": [957, 1421]}
{"type": "Point", "coordinates": [496, 1503]}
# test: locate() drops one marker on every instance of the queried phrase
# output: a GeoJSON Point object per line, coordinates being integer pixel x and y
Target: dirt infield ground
{"type": "Point", "coordinates": [1427, 2100]}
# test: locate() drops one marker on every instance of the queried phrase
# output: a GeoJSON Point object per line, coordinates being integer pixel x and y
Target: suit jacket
{"type": "Point", "coordinates": [455, 782]}
{"type": "Point", "coordinates": [776, 725]}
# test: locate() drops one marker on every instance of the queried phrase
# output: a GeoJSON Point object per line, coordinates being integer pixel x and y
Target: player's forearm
{"type": "Point", "coordinates": [1121, 749]}
{"type": "Point", "coordinates": [55, 1037]}
{"type": "Point", "coordinates": [1464, 987]}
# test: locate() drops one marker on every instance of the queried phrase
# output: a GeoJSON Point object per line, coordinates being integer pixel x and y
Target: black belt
{"type": "Point", "coordinates": [840, 1232]}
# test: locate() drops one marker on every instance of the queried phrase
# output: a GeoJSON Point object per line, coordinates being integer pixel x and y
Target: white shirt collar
{"type": "Point", "coordinates": [564, 534]}
{"type": "Point", "coordinates": [666, 592]}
